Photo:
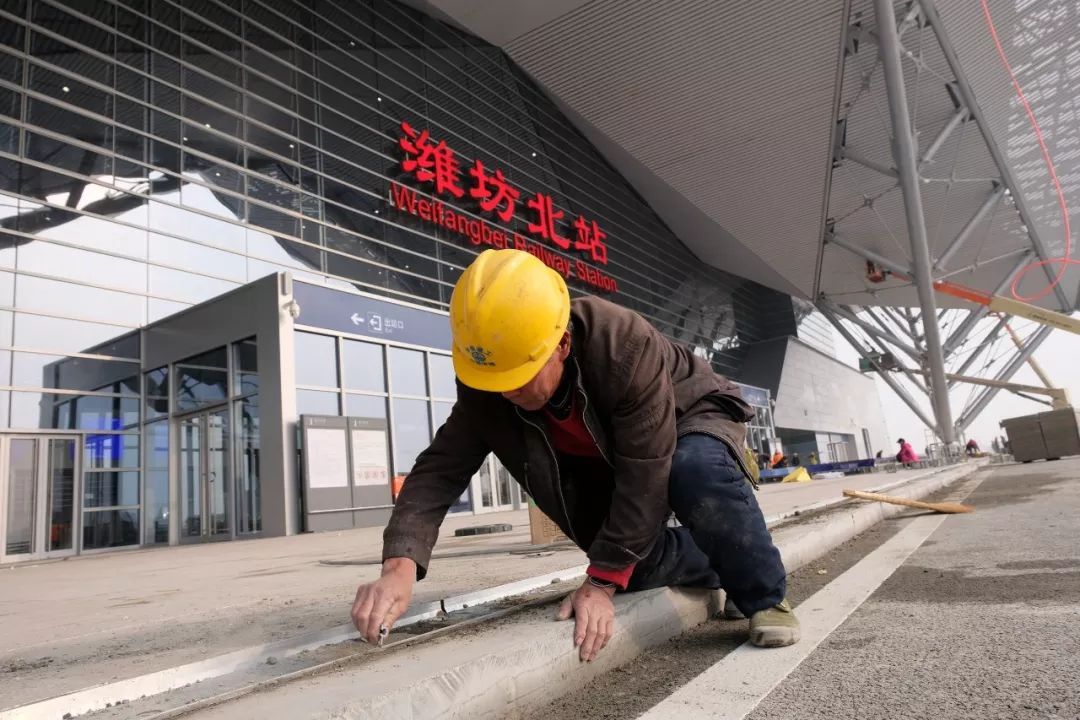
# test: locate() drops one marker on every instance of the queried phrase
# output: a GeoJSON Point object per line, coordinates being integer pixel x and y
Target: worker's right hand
{"type": "Point", "coordinates": [381, 603]}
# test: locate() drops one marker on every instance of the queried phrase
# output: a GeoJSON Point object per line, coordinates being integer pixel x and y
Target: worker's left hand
{"type": "Point", "coordinates": [594, 615]}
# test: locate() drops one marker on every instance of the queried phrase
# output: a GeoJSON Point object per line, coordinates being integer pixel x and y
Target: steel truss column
{"type": "Point", "coordinates": [870, 255]}
{"type": "Point", "coordinates": [979, 350]}
{"type": "Point", "coordinates": [988, 394]}
{"type": "Point", "coordinates": [967, 96]}
{"type": "Point", "coordinates": [871, 330]}
{"type": "Point", "coordinates": [883, 374]}
{"type": "Point", "coordinates": [915, 379]}
{"type": "Point", "coordinates": [906, 162]}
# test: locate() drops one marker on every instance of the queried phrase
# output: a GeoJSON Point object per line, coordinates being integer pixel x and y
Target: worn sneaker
{"type": "Point", "coordinates": [774, 627]}
{"type": "Point", "coordinates": [731, 612]}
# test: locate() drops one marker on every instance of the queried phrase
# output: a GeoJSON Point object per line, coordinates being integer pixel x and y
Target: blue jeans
{"type": "Point", "coordinates": [723, 541]}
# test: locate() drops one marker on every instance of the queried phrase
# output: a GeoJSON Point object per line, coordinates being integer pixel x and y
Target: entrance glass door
{"type": "Point", "coordinates": [204, 476]}
{"type": "Point", "coordinates": [496, 486]}
{"type": "Point", "coordinates": [40, 483]}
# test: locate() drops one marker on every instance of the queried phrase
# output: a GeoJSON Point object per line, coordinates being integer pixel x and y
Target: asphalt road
{"type": "Point", "coordinates": [982, 621]}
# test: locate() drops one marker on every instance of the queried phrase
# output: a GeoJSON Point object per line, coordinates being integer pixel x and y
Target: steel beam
{"type": "Point", "coordinates": [868, 163]}
{"type": "Point", "coordinates": [985, 343]}
{"type": "Point", "coordinates": [883, 374]}
{"type": "Point", "coordinates": [967, 95]}
{"type": "Point", "coordinates": [965, 232]}
{"type": "Point", "coordinates": [954, 122]}
{"type": "Point", "coordinates": [873, 331]}
{"type": "Point", "coordinates": [1015, 364]}
{"type": "Point", "coordinates": [870, 255]}
{"type": "Point", "coordinates": [915, 379]}
{"type": "Point", "coordinates": [904, 154]}
{"type": "Point", "coordinates": [982, 311]}
{"type": "Point", "coordinates": [983, 263]}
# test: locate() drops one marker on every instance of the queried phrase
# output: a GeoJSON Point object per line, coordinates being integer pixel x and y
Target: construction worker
{"type": "Point", "coordinates": [777, 459]}
{"type": "Point", "coordinates": [606, 424]}
{"type": "Point", "coordinates": [907, 454]}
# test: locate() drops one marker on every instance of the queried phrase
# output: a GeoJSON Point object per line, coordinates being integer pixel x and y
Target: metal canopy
{"type": "Point", "coordinates": [812, 148]}
{"type": "Point", "coordinates": [759, 129]}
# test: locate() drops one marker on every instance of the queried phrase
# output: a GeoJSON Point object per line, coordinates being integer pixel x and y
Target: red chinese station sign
{"type": "Point", "coordinates": [434, 164]}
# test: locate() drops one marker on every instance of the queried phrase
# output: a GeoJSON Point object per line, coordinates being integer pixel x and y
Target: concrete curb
{"type": "Point", "coordinates": [530, 662]}
{"type": "Point", "coordinates": [837, 532]}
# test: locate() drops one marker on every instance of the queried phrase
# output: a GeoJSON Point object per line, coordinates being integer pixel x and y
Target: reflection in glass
{"type": "Point", "coordinates": [157, 393]}
{"type": "Point", "coordinates": [22, 494]}
{"type": "Point", "coordinates": [109, 489]}
{"type": "Point", "coordinates": [248, 496]}
{"type": "Point", "coordinates": [363, 363]}
{"type": "Point", "coordinates": [60, 475]}
{"type": "Point", "coordinates": [370, 406]}
{"type": "Point", "coordinates": [191, 475]}
{"type": "Point", "coordinates": [110, 528]}
{"type": "Point", "coordinates": [106, 452]}
{"type": "Point", "coordinates": [75, 373]}
{"type": "Point", "coordinates": [73, 412]}
{"type": "Point", "coordinates": [411, 432]}
{"type": "Point", "coordinates": [156, 489]}
{"type": "Point", "coordinates": [407, 375]}
{"type": "Point", "coordinates": [202, 380]}
{"type": "Point", "coordinates": [316, 402]}
{"type": "Point", "coordinates": [443, 380]}
{"type": "Point", "coordinates": [246, 364]}
{"type": "Point", "coordinates": [316, 360]}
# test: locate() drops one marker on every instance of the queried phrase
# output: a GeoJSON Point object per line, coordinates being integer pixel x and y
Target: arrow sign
{"type": "Point", "coordinates": [356, 319]}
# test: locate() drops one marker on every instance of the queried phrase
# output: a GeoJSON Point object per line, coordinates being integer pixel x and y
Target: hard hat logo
{"type": "Point", "coordinates": [510, 306]}
{"type": "Point", "coordinates": [480, 355]}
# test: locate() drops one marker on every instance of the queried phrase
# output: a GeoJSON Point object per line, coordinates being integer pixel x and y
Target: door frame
{"type": "Point", "coordinates": [39, 533]}
{"type": "Point", "coordinates": [177, 477]}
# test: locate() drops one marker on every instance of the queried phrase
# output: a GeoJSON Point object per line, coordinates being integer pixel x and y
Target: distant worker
{"type": "Point", "coordinates": [972, 448]}
{"type": "Point", "coordinates": [777, 458]}
{"type": "Point", "coordinates": [812, 459]}
{"type": "Point", "coordinates": [607, 425]}
{"type": "Point", "coordinates": [907, 454]}
{"type": "Point", "coordinates": [795, 461]}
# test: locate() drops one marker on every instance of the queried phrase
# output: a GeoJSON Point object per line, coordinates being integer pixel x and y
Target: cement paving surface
{"type": "Point", "coordinates": [983, 621]}
{"type": "Point", "coordinates": [81, 622]}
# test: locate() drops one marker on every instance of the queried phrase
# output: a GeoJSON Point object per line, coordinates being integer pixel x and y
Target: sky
{"type": "Point", "coordinates": [1059, 356]}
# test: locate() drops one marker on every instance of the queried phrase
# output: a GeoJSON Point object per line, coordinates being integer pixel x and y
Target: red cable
{"type": "Point", "coordinates": [1066, 260]}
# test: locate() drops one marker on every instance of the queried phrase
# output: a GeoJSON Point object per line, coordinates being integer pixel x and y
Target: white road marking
{"type": "Point", "coordinates": [733, 687]}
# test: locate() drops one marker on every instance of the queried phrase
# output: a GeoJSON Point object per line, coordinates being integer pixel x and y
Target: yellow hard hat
{"type": "Point", "coordinates": [507, 314]}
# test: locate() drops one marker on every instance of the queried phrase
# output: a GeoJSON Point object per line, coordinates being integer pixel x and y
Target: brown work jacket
{"type": "Point", "coordinates": [640, 392]}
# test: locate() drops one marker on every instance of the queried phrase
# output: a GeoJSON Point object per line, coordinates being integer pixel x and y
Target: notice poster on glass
{"type": "Point", "coordinates": [327, 458]}
{"type": "Point", "coordinates": [369, 455]}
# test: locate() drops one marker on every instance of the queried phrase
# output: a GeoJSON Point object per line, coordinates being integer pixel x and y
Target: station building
{"type": "Point", "coordinates": [230, 232]}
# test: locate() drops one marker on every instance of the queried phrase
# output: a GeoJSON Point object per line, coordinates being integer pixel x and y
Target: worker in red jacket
{"type": "Point", "coordinates": [907, 454]}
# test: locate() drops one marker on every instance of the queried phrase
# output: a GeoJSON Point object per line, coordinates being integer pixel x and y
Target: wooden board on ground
{"type": "Point", "coordinates": [542, 529]}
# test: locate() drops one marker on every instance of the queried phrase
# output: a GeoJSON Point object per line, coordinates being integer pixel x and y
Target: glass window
{"type": "Point", "coordinates": [202, 380]}
{"type": "Point", "coordinates": [54, 296]}
{"type": "Point", "coordinates": [196, 257]}
{"type": "Point", "coordinates": [371, 406]}
{"type": "Point", "coordinates": [111, 452]}
{"type": "Point", "coordinates": [75, 373]}
{"type": "Point", "coordinates": [186, 287]}
{"type": "Point", "coordinates": [316, 402]}
{"type": "Point", "coordinates": [73, 412]}
{"type": "Point", "coordinates": [407, 375]}
{"type": "Point", "coordinates": [157, 393]}
{"type": "Point", "coordinates": [110, 528]}
{"type": "Point", "coordinates": [156, 490]}
{"type": "Point", "coordinates": [364, 368]}
{"type": "Point", "coordinates": [51, 333]}
{"type": "Point", "coordinates": [316, 360]}
{"type": "Point", "coordinates": [248, 496]}
{"type": "Point", "coordinates": [82, 265]}
{"type": "Point", "coordinates": [108, 489]}
{"type": "Point", "coordinates": [440, 411]}
{"type": "Point", "coordinates": [411, 432]}
{"type": "Point", "coordinates": [246, 367]}
{"type": "Point", "coordinates": [443, 380]}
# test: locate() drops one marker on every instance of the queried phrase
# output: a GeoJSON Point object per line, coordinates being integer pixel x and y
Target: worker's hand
{"type": "Point", "coordinates": [594, 615]}
{"type": "Point", "coordinates": [381, 603]}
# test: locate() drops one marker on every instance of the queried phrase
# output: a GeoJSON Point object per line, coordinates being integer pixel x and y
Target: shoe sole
{"type": "Point", "coordinates": [774, 637]}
